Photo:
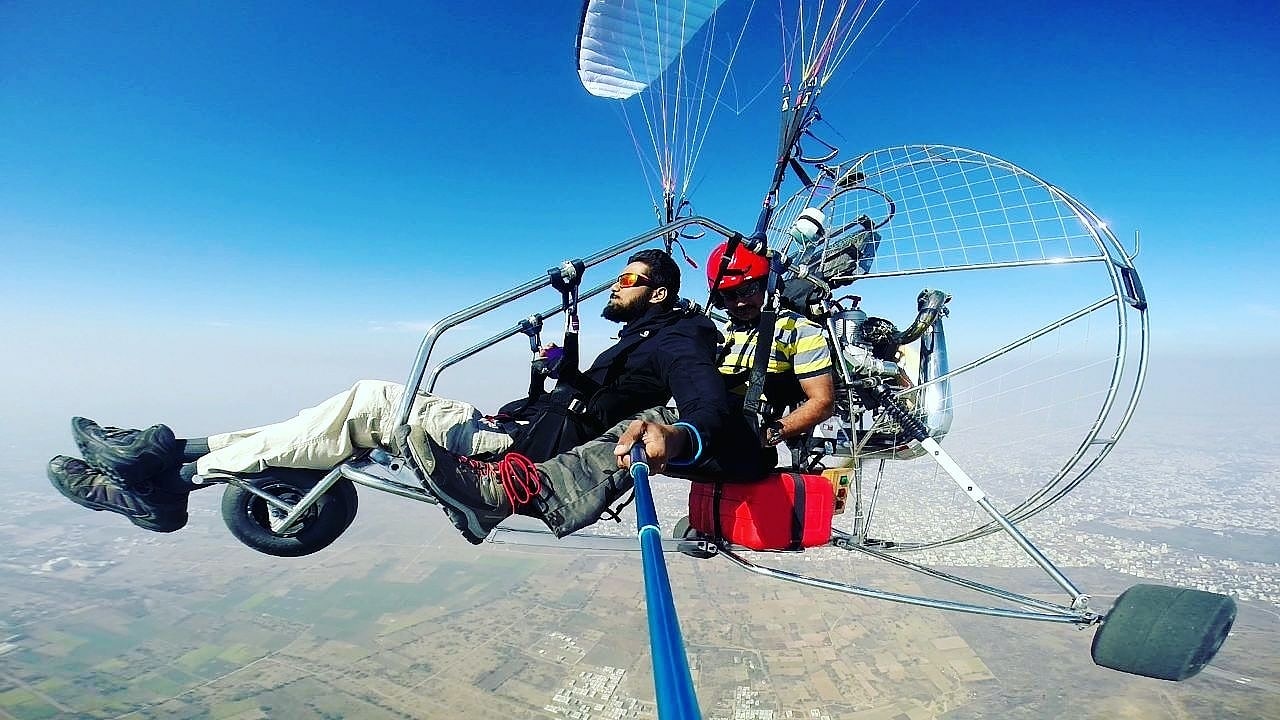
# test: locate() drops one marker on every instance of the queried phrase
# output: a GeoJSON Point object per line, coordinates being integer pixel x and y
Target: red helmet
{"type": "Point", "coordinates": [744, 266]}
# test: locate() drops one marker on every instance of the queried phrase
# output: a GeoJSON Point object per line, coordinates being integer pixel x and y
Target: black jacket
{"type": "Point", "coordinates": [661, 355]}
{"type": "Point", "coordinates": [666, 354]}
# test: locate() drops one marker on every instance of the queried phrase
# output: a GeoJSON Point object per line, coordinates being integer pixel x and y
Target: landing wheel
{"type": "Point", "coordinates": [1163, 632]}
{"type": "Point", "coordinates": [256, 523]}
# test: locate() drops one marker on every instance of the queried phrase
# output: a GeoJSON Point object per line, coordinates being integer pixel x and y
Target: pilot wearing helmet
{"type": "Point", "coordinates": [799, 372]}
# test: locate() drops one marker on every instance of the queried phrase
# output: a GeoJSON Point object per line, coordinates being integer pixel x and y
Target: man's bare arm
{"type": "Point", "coordinates": [820, 394]}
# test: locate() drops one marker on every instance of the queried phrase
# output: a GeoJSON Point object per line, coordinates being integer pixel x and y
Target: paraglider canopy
{"type": "Point", "coordinates": [624, 46]}
{"type": "Point", "coordinates": [670, 66]}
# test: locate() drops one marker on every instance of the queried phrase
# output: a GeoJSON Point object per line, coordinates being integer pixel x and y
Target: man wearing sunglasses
{"type": "Point", "coordinates": [799, 371]}
{"type": "Point", "coordinates": [664, 351]}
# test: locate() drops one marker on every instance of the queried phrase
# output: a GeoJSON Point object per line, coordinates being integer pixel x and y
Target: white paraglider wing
{"type": "Point", "coordinates": [624, 45]}
{"type": "Point", "coordinates": [672, 65]}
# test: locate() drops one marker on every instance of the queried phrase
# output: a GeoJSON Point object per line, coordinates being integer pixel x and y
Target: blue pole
{"type": "Point", "coordinates": [673, 683]}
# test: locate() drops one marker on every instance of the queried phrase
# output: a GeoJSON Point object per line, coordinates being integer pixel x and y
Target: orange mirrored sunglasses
{"type": "Point", "coordinates": [632, 279]}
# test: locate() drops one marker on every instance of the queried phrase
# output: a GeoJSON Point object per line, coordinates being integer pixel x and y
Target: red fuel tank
{"type": "Point", "coordinates": [784, 511]}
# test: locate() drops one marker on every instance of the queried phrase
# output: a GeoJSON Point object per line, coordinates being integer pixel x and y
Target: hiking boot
{"type": "Point", "coordinates": [134, 456]}
{"type": "Point", "coordinates": [157, 507]}
{"type": "Point", "coordinates": [477, 495]}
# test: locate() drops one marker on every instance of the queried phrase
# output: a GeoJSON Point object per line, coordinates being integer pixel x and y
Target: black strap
{"type": "Point", "coordinates": [730, 247]}
{"type": "Point", "coordinates": [568, 370]}
{"type": "Point", "coordinates": [614, 513]}
{"type": "Point", "coordinates": [717, 494]}
{"type": "Point", "coordinates": [764, 348]}
{"type": "Point", "coordinates": [532, 327]}
{"type": "Point", "coordinates": [797, 511]}
{"type": "Point", "coordinates": [567, 280]}
{"type": "Point", "coordinates": [800, 172]}
{"type": "Point", "coordinates": [760, 368]}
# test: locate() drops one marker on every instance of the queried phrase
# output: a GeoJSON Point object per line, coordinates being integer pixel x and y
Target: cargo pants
{"type": "Point", "coordinates": [581, 484]}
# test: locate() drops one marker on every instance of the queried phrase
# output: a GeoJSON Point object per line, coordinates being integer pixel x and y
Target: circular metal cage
{"type": "Point", "coordinates": [1048, 328]}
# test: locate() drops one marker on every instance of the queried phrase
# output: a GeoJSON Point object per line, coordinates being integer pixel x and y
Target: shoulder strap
{"type": "Point", "coordinates": [764, 348]}
{"type": "Point", "coordinates": [716, 496]}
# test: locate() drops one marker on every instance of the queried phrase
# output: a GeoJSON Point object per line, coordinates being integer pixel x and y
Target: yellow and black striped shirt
{"type": "Point", "coordinates": [799, 347]}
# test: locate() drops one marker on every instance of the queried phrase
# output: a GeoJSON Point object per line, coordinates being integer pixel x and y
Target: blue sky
{"type": "Point", "coordinates": [276, 197]}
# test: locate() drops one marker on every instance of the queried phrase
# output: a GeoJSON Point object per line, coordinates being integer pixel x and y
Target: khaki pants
{"type": "Point", "coordinates": [361, 418]}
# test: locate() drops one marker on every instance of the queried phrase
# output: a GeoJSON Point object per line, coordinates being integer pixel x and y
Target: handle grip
{"type": "Point", "coordinates": [638, 456]}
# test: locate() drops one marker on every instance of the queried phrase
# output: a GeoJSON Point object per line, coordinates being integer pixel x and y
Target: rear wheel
{"type": "Point", "coordinates": [1163, 632]}
{"type": "Point", "coordinates": [254, 521]}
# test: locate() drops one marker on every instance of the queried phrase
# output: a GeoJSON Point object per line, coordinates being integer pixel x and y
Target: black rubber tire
{"type": "Point", "coordinates": [1163, 632]}
{"type": "Point", "coordinates": [246, 515]}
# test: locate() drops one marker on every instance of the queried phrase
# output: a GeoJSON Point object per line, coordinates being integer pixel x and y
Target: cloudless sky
{"type": "Point", "coordinates": [201, 200]}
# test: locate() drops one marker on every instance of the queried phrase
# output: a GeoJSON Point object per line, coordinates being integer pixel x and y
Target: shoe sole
{"type": "Point", "coordinates": [101, 507]}
{"type": "Point", "coordinates": [454, 510]}
{"type": "Point", "coordinates": [82, 502]}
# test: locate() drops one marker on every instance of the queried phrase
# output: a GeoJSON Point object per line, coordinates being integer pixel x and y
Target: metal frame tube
{"type": "Point", "coordinates": [875, 497]}
{"type": "Point", "coordinates": [495, 339]}
{"type": "Point", "coordinates": [310, 498]}
{"type": "Point", "coordinates": [977, 266]}
{"type": "Point", "coordinates": [345, 470]}
{"type": "Point", "coordinates": [951, 578]}
{"type": "Point", "coordinates": [860, 522]}
{"type": "Point", "coordinates": [975, 493]}
{"type": "Point", "coordinates": [1075, 617]}
{"type": "Point", "coordinates": [414, 382]}
{"type": "Point", "coordinates": [267, 497]}
{"type": "Point", "coordinates": [1060, 322]}
{"type": "Point", "coordinates": [374, 482]}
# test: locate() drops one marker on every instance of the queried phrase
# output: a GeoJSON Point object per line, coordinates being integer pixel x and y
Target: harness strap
{"type": "Point", "coordinates": [566, 278]}
{"type": "Point", "coordinates": [764, 346]}
{"type": "Point", "coordinates": [717, 494]}
{"type": "Point", "coordinates": [797, 511]}
{"type": "Point", "coordinates": [760, 368]}
{"type": "Point", "coordinates": [532, 327]}
{"type": "Point", "coordinates": [731, 246]}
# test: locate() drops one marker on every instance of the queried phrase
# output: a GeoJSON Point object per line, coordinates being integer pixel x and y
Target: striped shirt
{"type": "Point", "coordinates": [799, 347]}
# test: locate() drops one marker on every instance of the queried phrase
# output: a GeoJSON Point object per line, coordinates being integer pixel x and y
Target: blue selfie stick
{"type": "Point", "coordinates": [673, 683]}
